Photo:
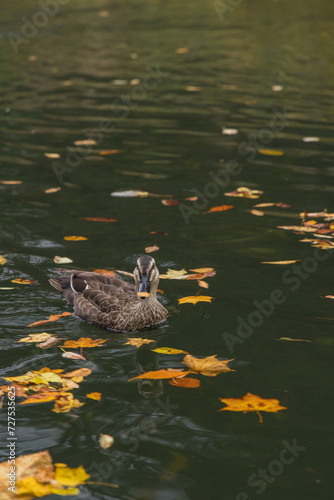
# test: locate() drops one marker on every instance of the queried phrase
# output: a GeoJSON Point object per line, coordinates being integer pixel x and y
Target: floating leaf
{"type": "Point", "coordinates": [53, 317]}
{"type": "Point", "coordinates": [41, 397]}
{"type": "Point", "coordinates": [202, 270]}
{"type": "Point", "coordinates": [282, 262]}
{"type": "Point", "coordinates": [161, 374]}
{"type": "Point", "coordinates": [23, 281]}
{"type": "Point", "coordinates": [245, 192]}
{"type": "Point", "coordinates": [105, 441]}
{"type": "Point", "coordinates": [105, 272]}
{"type": "Point", "coordinates": [189, 382]}
{"type": "Point", "coordinates": [170, 202]}
{"type": "Point", "coordinates": [154, 248]}
{"type": "Point", "coordinates": [251, 402]}
{"type": "Point", "coordinates": [75, 238]}
{"type": "Point", "coordinates": [62, 260]}
{"type": "Point", "coordinates": [199, 276]}
{"type": "Point", "coordinates": [277, 88]}
{"type": "Point", "coordinates": [193, 88]}
{"type": "Point", "coordinates": [130, 194]}
{"type": "Point", "coordinates": [70, 477]}
{"type": "Point", "coordinates": [85, 142]}
{"type": "Point", "coordinates": [36, 337]}
{"type": "Point", "coordinates": [311, 139]}
{"type": "Point", "coordinates": [210, 366]}
{"type": "Point", "coordinates": [191, 198]}
{"type": "Point", "coordinates": [270, 152]}
{"type": "Point", "coordinates": [193, 299]}
{"type": "Point", "coordinates": [169, 350]}
{"type": "Point", "coordinates": [52, 155]}
{"type": "Point", "coordinates": [11, 183]}
{"type": "Point", "coordinates": [72, 355]}
{"type": "Point", "coordinates": [3, 260]}
{"type": "Point", "coordinates": [221, 208]}
{"type": "Point", "coordinates": [50, 342]}
{"type": "Point", "coordinates": [159, 232]}
{"type": "Point", "coordinates": [172, 274]}
{"type": "Point", "coordinates": [84, 342]}
{"type": "Point", "coordinates": [229, 131]}
{"type": "Point", "coordinates": [203, 284]}
{"type": "Point", "coordinates": [294, 340]}
{"type": "Point", "coordinates": [66, 402]}
{"type": "Point", "coordinates": [259, 213]}
{"type": "Point", "coordinates": [329, 296]}
{"type": "Point", "coordinates": [137, 342]}
{"type": "Point", "coordinates": [94, 395]}
{"type": "Point", "coordinates": [52, 190]}
{"type": "Point", "coordinates": [181, 50]}
{"type": "Point", "coordinates": [98, 219]}
{"type": "Point", "coordinates": [110, 152]}
{"type": "Point", "coordinates": [306, 229]}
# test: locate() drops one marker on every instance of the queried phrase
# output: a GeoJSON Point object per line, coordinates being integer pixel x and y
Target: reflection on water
{"type": "Point", "coordinates": [155, 83]}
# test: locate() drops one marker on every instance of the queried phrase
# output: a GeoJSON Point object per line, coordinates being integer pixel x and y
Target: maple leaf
{"type": "Point", "coordinates": [41, 397]}
{"type": "Point", "coordinates": [251, 402]}
{"type": "Point", "coordinates": [53, 317]}
{"type": "Point", "coordinates": [189, 382]}
{"type": "Point", "coordinates": [23, 281]}
{"type": "Point", "coordinates": [137, 342]}
{"type": "Point", "coordinates": [94, 395]}
{"type": "Point", "coordinates": [65, 402]}
{"type": "Point", "coordinates": [193, 299]}
{"type": "Point", "coordinates": [35, 337]}
{"type": "Point", "coordinates": [84, 342]}
{"type": "Point", "coordinates": [172, 274]}
{"type": "Point", "coordinates": [161, 374]}
{"type": "Point", "coordinates": [210, 366]}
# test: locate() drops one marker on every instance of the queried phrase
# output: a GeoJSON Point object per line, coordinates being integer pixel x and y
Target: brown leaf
{"type": "Point", "coordinates": [189, 382]}
{"type": "Point", "coordinates": [110, 152]}
{"type": "Point", "coordinates": [210, 366]}
{"type": "Point", "coordinates": [221, 208]}
{"type": "Point", "coordinates": [202, 270]}
{"type": "Point", "coordinates": [84, 342]}
{"type": "Point", "coordinates": [98, 219]}
{"type": "Point", "coordinates": [53, 317]}
{"type": "Point", "coordinates": [170, 202]}
{"type": "Point", "coordinates": [161, 374]}
{"type": "Point", "coordinates": [154, 248]}
{"type": "Point", "coordinates": [203, 284]}
{"type": "Point", "coordinates": [200, 276]}
{"type": "Point", "coordinates": [306, 229]}
{"type": "Point", "coordinates": [50, 342]}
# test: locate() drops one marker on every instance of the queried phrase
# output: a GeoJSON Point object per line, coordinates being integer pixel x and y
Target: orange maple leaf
{"type": "Point", "coordinates": [185, 382]}
{"type": "Point", "coordinates": [53, 317]}
{"type": "Point", "coordinates": [252, 402]}
{"type": "Point", "coordinates": [220, 208]}
{"type": "Point", "coordinates": [160, 374]}
{"type": "Point", "coordinates": [193, 299]}
{"type": "Point", "coordinates": [84, 342]}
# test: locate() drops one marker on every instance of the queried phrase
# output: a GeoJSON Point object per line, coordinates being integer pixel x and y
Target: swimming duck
{"type": "Point", "coordinates": [113, 303]}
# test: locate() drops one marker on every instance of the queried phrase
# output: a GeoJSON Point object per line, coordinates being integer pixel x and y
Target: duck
{"type": "Point", "coordinates": [113, 303]}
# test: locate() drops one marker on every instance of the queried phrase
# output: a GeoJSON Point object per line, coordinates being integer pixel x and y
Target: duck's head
{"type": "Point", "coordinates": [146, 276]}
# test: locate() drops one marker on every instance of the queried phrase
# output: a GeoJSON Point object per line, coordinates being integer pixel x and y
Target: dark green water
{"type": "Point", "coordinates": [174, 445]}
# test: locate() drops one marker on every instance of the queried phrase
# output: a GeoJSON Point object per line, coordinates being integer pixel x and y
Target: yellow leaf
{"type": "Point", "coordinates": [36, 337]}
{"type": "Point", "coordinates": [75, 238]}
{"type": "Point", "coordinates": [193, 299]}
{"type": "Point", "coordinates": [251, 402]}
{"type": "Point", "coordinates": [210, 366]}
{"type": "Point", "coordinates": [62, 260]}
{"type": "Point", "coordinates": [259, 213]}
{"type": "Point", "coordinates": [84, 342]}
{"type": "Point", "coordinates": [3, 260]}
{"type": "Point", "coordinates": [294, 340]}
{"type": "Point", "coordinates": [175, 275]}
{"type": "Point", "coordinates": [52, 190]}
{"type": "Point", "coordinates": [188, 382]}
{"type": "Point", "coordinates": [202, 270]}
{"type": "Point", "coordinates": [66, 402]}
{"type": "Point", "coordinates": [94, 395]}
{"type": "Point", "coordinates": [65, 491]}
{"type": "Point", "coordinates": [70, 477]}
{"type": "Point", "coordinates": [282, 262]}
{"type": "Point", "coordinates": [181, 50]}
{"type": "Point", "coordinates": [270, 152]}
{"type": "Point", "coordinates": [52, 155]}
{"type": "Point", "coordinates": [138, 341]}
{"type": "Point", "coordinates": [23, 282]}
{"type": "Point", "coordinates": [245, 192]}
{"type": "Point", "coordinates": [161, 374]}
{"type": "Point", "coordinates": [169, 350]}
{"type": "Point", "coordinates": [85, 142]}
{"type": "Point", "coordinates": [30, 486]}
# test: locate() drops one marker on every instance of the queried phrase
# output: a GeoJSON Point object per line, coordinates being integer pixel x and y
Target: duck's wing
{"type": "Point", "coordinates": [78, 281]}
{"type": "Point", "coordinates": [106, 305]}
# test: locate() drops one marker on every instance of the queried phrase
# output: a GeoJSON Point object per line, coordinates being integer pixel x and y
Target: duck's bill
{"type": "Point", "coordinates": [144, 288]}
